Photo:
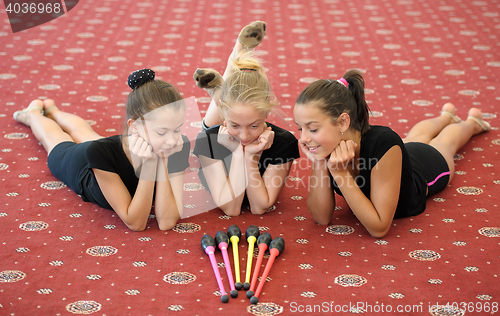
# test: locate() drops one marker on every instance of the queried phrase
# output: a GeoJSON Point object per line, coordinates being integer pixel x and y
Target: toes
{"type": "Point", "coordinates": [449, 107]}
{"type": "Point", "coordinates": [475, 112]}
{"type": "Point", "coordinates": [36, 103]}
{"type": "Point", "coordinates": [258, 25]}
{"type": "Point", "coordinates": [477, 116]}
{"type": "Point", "coordinates": [48, 103]}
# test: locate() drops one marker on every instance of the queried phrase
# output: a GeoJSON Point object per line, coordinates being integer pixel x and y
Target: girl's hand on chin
{"type": "Point", "coordinates": [177, 147]}
{"type": "Point", "coordinates": [342, 156]}
{"type": "Point", "coordinates": [262, 143]}
{"type": "Point", "coordinates": [141, 153]}
{"type": "Point", "coordinates": [227, 140]}
{"type": "Point", "coordinates": [309, 154]}
{"type": "Point", "coordinates": [140, 148]}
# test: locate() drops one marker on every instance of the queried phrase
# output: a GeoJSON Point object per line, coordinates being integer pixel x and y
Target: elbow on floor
{"type": "Point", "coordinates": [167, 224]}
{"type": "Point", "coordinates": [136, 227]}
{"type": "Point", "coordinates": [323, 222]}
{"type": "Point", "coordinates": [231, 211]}
{"type": "Point", "coordinates": [378, 234]}
{"type": "Point", "coordinates": [258, 211]}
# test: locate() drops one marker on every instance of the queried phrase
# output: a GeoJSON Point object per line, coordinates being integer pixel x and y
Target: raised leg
{"type": "Point", "coordinates": [47, 131]}
{"type": "Point", "coordinates": [249, 37]}
{"type": "Point", "coordinates": [425, 131]}
{"type": "Point", "coordinates": [454, 136]}
{"type": "Point", "coordinates": [77, 128]}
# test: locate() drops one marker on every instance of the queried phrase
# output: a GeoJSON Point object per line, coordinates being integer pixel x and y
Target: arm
{"type": "Point", "coordinates": [227, 190]}
{"type": "Point", "coordinates": [134, 212]}
{"type": "Point", "coordinates": [168, 199]}
{"type": "Point", "coordinates": [321, 199]}
{"type": "Point", "coordinates": [263, 191]}
{"type": "Point", "coordinates": [375, 214]}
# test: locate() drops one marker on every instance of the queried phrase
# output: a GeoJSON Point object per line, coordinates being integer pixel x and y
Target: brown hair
{"type": "Point", "coordinates": [151, 96]}
{"type": "Point", "coordinates": [334, 98]}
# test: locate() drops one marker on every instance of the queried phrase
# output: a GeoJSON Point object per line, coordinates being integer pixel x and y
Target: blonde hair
{"type": "Point", "coordinates": [248, 84]}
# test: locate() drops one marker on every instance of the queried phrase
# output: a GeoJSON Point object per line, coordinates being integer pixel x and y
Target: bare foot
{"type": "Point", "coordinates": [449, 110]}
{"type": "Point", "coordinates": [23, 116]}
{"type": "Point", "coordinates": [249, 38]}
{"type": "Point", "coordinates": [476, 116]}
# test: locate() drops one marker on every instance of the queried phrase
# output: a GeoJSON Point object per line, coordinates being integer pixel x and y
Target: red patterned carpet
{"type": "Point", "coordinates": [62, 256]}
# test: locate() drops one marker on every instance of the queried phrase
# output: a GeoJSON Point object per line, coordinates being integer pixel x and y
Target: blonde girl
{"type": "Point", "coordinates": [242, 156]}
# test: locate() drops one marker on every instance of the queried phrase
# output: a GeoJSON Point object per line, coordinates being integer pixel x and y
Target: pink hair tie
{"type": "Point", "coordinates": [344, 82]}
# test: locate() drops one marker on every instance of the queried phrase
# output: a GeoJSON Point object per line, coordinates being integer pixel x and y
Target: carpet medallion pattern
{"type": "Point", "coordinates": [63, 256]}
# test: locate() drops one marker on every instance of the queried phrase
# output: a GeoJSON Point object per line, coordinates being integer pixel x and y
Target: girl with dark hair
{"type": "Point", "coordinates": [129, 173]}
{"type": "Point", "coordinates": [380, 175]}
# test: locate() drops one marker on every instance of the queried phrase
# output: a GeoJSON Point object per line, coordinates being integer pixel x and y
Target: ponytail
{"type": "Point", "coordinates": [149, 94]}
{"type": "Point", "coordinates": [246, 63]}
{"type": "Point", "coordinates": [248, 84]}
{"type": "Point", "coordinates": [340, 96]}
{"type": "Point", "coordinates": [357, 87]}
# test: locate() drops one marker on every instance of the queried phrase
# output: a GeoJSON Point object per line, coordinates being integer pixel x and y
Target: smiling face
{"type": "Point", "coordinates": [244, 122]}
{"type": "Point", "coordinates": [317, 130]}
{"type": "Point", "coordinates": [161, 128]}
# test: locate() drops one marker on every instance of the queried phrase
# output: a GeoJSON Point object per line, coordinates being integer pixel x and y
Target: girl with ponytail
{"type": "Point", "coordinates": [242, 156]}
{"type": "Point", "coordinates": [380, 175]}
